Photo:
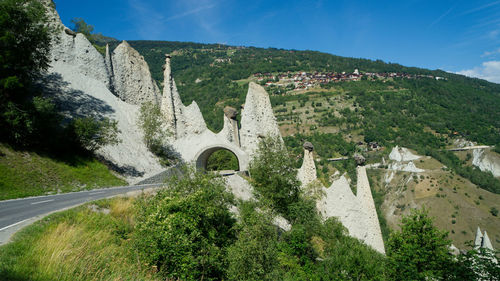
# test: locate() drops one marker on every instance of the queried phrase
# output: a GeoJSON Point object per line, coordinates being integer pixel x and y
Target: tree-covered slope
{"type": "Point", "coordinates": [424, 110]}
{"type": "Point", "coordinates": [211, 74]}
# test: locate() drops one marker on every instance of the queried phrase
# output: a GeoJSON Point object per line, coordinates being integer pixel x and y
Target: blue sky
{"type": "Point", "coordinates": [457, 36]}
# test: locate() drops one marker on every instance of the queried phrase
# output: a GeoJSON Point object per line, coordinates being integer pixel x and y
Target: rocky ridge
{"type": "Point", "coordinates": [356, 212]}
{"type": "Point", "coordinates": [485, 161]}
{"type": "Point", "coordinates": [257, 118]}
{"type": "Point", "coordinates": [132, 81]}
{"type": "Point", "coordinates": [79, 81]}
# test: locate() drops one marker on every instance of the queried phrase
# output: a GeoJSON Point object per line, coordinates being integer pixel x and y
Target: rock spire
{"type": "Point", "coordinates": [257, 118]}
{"type": "Point", "coordinates": [307, 172]}
{"type": "Point", "coordinates": [131, 76]}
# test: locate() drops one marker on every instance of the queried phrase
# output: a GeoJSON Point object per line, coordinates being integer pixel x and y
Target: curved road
{"type": "Point", "coordinates": [17, 213]}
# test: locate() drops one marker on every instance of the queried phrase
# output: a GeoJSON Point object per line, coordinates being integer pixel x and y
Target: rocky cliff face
{"type": "Point", "coordinates": [257, 118]}
{"type": "Point", "coordinates": [131, 77]}
{"type": "Point", "coordinates": [307, 172]}
{"type": "Point", "coordinates": [77, 52]}
{"type": "Point", "coordinates": [79, 82]}
{"type": "Point", "coordinates": [183, 121]}
{"type": "Point", "coordinates": [356, 212]}
{"type": "Point", "coordinates": [488, 162]}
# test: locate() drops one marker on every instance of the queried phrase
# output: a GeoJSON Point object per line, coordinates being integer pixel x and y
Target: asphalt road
{"type": "Point", "coordinates": [17, 213]}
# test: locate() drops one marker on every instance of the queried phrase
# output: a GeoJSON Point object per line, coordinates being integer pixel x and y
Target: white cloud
{"type": "Point", "coordinates": [192, 11]}
{"type": "Point", "coordinates": [441, 17]}
{"type": "Point", "coordinates": [489, 70]}
{"type": "Point", "coordinates": [494, 52]}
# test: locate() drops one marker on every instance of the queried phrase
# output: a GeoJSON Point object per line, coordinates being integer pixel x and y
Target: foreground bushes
{"type": "Point", "coordinates": [184, 230]}
{"type": "Point", "coordinates": [188, 233]}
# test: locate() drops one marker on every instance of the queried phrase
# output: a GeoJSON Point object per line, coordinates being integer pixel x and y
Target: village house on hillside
{"type": "Point", "coordinates": [305, 80]}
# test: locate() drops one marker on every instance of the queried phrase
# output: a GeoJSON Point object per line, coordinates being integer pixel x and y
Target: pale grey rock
{"type": "Point", "coordinates": [463, 143]}
{"type": "Point", "coordinates": [307, 172]}
{"type": "Point", "coordinates": [191, 121]}
{"type": "Point", "coordinates": [132, 81]}
{"type": "Point", "coordinates": [79, 52]}
{"type": "Point", "coordinates": [405, 167]}
{"type": "Point", "coordinates": [230, 131]}
{"type": "Point", "coordinates": [372, 234]}
{"type": "Point", "coordinates": [402, 154]}
{"type": "Point", "coordinates": [79, 80]}
{"type": "Point", "coordinates": [184, 121]}
{"type": "Point", "coordinates": [240, 187]}
{"type": "Point", "coordinates": [482, 240]}
{"type": "Point", "coordinates": [257, 118]}
{"type": "Point", "coordinates": [454, 250]}
{"type": "Point", "coordinates": [194, 148]}
{"type": "Point", "coordinates": [486, 242]}
{"type": "Point", "coordinates": [282, 223]}
{"type": "Point", "coordinates": [486, 162]}
{"type": "Point", "coordinates": [478, 240]}
{"type": "Point", "coordinates": [356, 213]}
{"type": "Point", "coordinates": [108, 62]}
{"type": "Point", "coordinates": [171, 103]}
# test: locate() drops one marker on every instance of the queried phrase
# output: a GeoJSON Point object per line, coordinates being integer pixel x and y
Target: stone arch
{"type": "Point", "coordinates": [202, 156]}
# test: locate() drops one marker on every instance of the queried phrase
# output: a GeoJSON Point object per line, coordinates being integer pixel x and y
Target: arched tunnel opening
{"type": "Point", "coordinates": [218, 159]}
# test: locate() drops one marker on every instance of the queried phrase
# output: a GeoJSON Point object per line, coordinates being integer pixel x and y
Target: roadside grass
{"type": "Point", "coordinates": [91, 242]}
{"type": "Point", "coordinates": [24, 173]}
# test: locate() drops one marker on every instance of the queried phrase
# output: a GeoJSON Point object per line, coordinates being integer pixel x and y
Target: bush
{"type": "Point", "coordinates": [184, 230]}
{"type": "Point", "coordinates": [155, 134]}
{"type": "Point", "coordinates": [92, 134]}
{"type": "Point", "coordinates": [494, 211]}
{"type": "Point", "coordinates": [419, 251]}
{"type": "Point", "coordinates": [273, 176]}
{"type": "Point", "coordinates": [254, 256]}
{"type": "Point", "coordinates": [222, 160]}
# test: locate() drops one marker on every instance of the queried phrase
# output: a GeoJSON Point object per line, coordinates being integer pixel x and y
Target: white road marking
{"type": "Point", "coordinates": [94, 193]}
{"type": "Point", "coordinates": [14, 224]}
{"type": "Point", "coordinates": [40, 202]}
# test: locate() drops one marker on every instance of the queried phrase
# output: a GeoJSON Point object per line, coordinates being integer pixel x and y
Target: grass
{"type": "Point", "coordinates": [24, 173]}
{"type": "Point", "coordinates": [91, 242]}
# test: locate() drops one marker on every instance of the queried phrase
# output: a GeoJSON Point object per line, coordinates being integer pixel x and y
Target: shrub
{"type": "Point", "coordinates": [419, 251]}
{"type": "Point", "coordinates": [494, 211]}
{"type": "Point", "coordinates": [155, 134]}
{"type": "Point", "coordinates": [222, 160]}
{"type": "Point", "coordinates": [282, 188]}
{"type": "Point", "coordinates": [92, 134]}
{"type": "Point", "coordinates": [254, 256]}
{"type": "Point", "coordinates": [184, 230]}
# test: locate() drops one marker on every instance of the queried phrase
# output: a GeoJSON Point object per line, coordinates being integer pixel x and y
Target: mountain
{"type": "Point", "coordinates": [348, 105]}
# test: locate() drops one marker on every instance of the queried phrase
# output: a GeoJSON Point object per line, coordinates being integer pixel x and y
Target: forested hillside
{"type": "Point", "coordinates": [211, 74]}
{"type": "Point", "coordinates": [422, 113]}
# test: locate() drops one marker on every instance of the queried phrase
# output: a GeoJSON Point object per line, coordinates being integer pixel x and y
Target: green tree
{"type": "Point", "coordinates": [476, 264]}
{"type": "Point", "coordinates": [222, 160]}
{"type": "Point", "coordinates": [155, 133]}
{"type": "Point", "coordinates": [92, 134]}
{"type": "Point", "coordinates": [150, 121]}
{"type": "Point", "coordinates": [80, 26]}
{"type": "Point", "coordinates": [419, 251]}
{"type": "Point", "coordinates": [273, 175]}
{"type": "Point", "coordinates": [254, 256]}
{"type": "Point", "coordinates": [184, 230]}
{"type": "Point", "coordinates": [24, 54]}
{"type": "Point", "coordinates": [24, 46]}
